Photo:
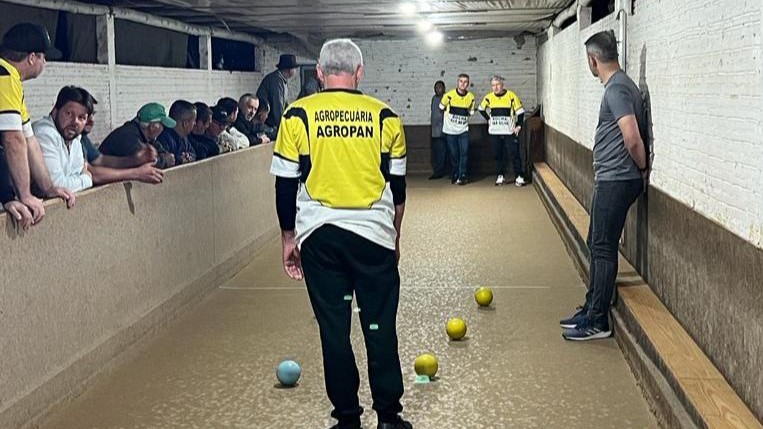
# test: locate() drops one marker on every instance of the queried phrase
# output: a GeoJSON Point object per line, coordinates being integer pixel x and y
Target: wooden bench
{"type": "Point", "coordinates": [697, 382]}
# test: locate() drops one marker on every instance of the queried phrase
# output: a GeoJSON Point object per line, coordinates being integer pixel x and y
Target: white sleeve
{"type": "Point", "coordinates": [50, 154]}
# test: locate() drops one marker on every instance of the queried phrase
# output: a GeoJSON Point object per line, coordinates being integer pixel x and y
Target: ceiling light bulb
{"type": "Point", "coordinates": [407, 8]}
{"type": "Point", "coordinates": [435, 38]}
{"type": "Point", "coordinates": [425, 25]}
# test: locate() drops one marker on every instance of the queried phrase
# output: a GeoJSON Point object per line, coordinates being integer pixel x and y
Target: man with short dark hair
{"type": "Point", "coordinates": [202, 145]}
{"type": "Point", "coordinates": [439, 150]}
{"type": "Point", "coordinates": [59, 135]}
{"type": "Point", "coordinates": [175, 140]}
{"type": "Point", "coordinates": [140, 132]}
{"type": "Point", "coordinates": [458, 105]}
{"type": "Point", "coordinates": [231, 139]}
{"type": "Point", "coordinates": [208, 143]}
{"type": "Point", "coordinates": [620, 172]}
{"type": "Point", "coordinates": [265, 133]}
{"type": "Point", "coordinates": [23, 55]}
{"type": "Point", "coordinates": [274, 88]}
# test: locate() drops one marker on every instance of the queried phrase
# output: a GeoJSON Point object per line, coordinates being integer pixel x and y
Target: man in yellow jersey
{"type": "Point", "coordinates": [458, 105]}
{"type": "Point", "coordinates": [23, 55]}
{"type": "Point", "coordinates": [505, 115]}
{"type": "Point", "coordinates": [339, 162]}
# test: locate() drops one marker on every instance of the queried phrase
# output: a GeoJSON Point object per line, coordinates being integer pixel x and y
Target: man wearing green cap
{"type": "Point", "coordinates": [141, 132]}
{"type": "Point", "coordinates": [25, 49]}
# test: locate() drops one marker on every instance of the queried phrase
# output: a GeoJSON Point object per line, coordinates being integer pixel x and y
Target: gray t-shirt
{"type": "Point", "coordinates": [611, 159]}
{"type": "Point", "coordinates": [436, 117]}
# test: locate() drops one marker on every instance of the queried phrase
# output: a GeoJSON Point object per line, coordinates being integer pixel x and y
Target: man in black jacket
{"type": "Point", "coordinates": [274, 88]}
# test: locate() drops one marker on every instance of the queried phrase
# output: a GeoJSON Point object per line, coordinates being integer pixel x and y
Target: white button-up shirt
{"type": "Point", "coordinates": [65, 164]}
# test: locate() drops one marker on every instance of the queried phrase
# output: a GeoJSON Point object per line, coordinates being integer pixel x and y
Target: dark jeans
{"type": "Point", "coordinates": [439, 155]}
{"type": "Point", "coordinates": [500, 144]}
{"type": "Point", "coordinates": [458, 151]}
{"type": "Point", "coordinates": [611, 201]}
{"type": "Point", "coordinates": [336, 263]}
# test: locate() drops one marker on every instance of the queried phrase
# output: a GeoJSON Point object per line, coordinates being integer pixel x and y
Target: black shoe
{"type": "Point", "coordinates": [453, 180]}
{"type": "Point", "coordinates": [338, 426]}
{"type": "Point", "coordinates": [462, 181]}
{"type": "Point", "coordinates": [575, 319]}
{"type": "Point", "coordinates": [586, 331]}
{"type": "Point", "coordinates": [400, 424]}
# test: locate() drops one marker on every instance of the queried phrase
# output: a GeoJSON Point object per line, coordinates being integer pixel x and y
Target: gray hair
{"type": "Point", "coordinates": [603, 46]}
{"type": "Point", "coordinates": [497, 78]}
{"type": "Point", "coordinates": [340, 56]}
{"type": "Point", "coordinates": [245, 99]}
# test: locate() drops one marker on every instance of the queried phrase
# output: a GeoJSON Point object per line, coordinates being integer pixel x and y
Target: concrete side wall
{"type": "Point", "coordinates": [87, 282]}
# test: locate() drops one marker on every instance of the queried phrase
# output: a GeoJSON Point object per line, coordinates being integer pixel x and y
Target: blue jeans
{"type": "Point", "coordinates": [458, 151]}
{"type": "Point", "coordinates": [611, 201]}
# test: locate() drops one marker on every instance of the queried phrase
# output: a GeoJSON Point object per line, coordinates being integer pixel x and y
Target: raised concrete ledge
{"type": "Point", "coordinates": [138, 257]}
{"type": "Point", "coordinates": [684, 389]}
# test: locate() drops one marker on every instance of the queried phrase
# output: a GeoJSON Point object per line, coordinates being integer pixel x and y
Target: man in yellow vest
{"type": "Point", "coordinates": [458, 105]}
{"type": "Point", "coordinates": [339, 162]}
{"type": "Point", "coordinates": [505, 115]}
{"type": "Point", "coordinates": [25, 50]}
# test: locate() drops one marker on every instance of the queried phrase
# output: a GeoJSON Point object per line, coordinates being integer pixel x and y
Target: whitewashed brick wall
{"type": "Point", "coordinates": [402, 73]}
{"type": "Point", "coordinates": [136, 86]}
{"type": "Point", "coordinates": [702, 64]}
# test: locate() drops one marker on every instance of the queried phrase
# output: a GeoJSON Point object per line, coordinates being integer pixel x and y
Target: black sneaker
{"type": "Point", "coordinates": [587, 331]}
{"type": "Point", "coordinates": [399, 424]}
{"type": "Point", "coordinates": [453, 180]}
{"type": "Point", "coordinates": [576, 318]}
{"type": "Point", "coordinates": [462, 181]}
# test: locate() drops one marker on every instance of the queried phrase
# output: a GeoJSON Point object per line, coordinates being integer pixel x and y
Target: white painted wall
{"type": "Point", "coordinates": [402, 73]}
{"type": "Point", "coordinates": [136, 85]}
{"type": "Point", "coordinates": [703, 72]}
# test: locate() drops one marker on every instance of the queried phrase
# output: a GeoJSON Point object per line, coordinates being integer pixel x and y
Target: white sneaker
{"type": "Point", "coordinates": [500, 180]}
{"type": "Point", "coordinates": [520, 181]}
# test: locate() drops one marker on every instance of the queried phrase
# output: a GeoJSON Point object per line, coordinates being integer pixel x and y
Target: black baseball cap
{"type": "Point", "coordinates": [220, 115]}
{"type": "Point", "coordinates": [27, 37]}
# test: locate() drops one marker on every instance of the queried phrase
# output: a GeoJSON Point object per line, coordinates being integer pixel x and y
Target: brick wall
{"type": "Point", "coordinates": [137, 85]}
{"type": "Point", "coordinates": [703, 72]}
{"type": "Point", "coordinates": [402, 73]}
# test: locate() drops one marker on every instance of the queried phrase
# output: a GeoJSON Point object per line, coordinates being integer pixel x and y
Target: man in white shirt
{"type": "Point", "coordinates": [59, 136]}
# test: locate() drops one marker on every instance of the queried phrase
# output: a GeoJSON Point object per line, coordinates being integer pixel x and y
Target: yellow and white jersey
{"type": "Point", "coordinates": [503, 111]}
{"type": "Point", "coordinates": [457, 108]}
{"type": "Point", "coordinates": [13, 112]}
{"type": "Point", "coordinates": [343, 146]}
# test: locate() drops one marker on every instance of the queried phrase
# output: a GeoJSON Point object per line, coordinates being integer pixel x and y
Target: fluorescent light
{"type": "Point", "coordinates": [407, 8]}
{"type": "Point", "coordinates": [435, 38]}
{"type": "Point", "coordinates": [425, 25]}
{"type": "Point", "coordinates": [424, 6]}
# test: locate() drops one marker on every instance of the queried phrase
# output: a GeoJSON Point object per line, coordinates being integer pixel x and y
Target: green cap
{"type": "Point", "coordinates": [154, 112]}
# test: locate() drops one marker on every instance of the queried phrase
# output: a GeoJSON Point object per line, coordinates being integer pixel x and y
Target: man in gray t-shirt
{"type": "Point", "coordinates": [611, 158]}
{"type": "Point", "coordinates": [620, 166]}
{"type": "Point", "coordinates": [439, 151]}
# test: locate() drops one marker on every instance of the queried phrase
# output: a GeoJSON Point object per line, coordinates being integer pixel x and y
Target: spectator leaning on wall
{"type": "Point", "coordinates": [59, 135]}
{"type": "Point", "coordinates": [175, 140]}
{"type": "Point", "coordinates": [140, 132]}
{"type": "Point", "coordinates": [108, 169]}
{"type": "Point", "coordinates": [23, 55]}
